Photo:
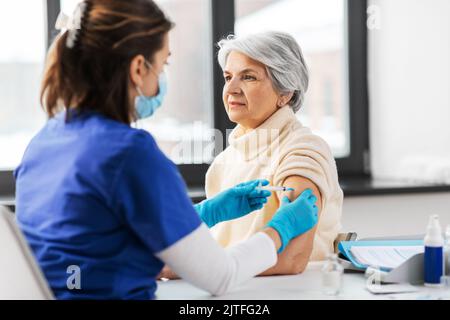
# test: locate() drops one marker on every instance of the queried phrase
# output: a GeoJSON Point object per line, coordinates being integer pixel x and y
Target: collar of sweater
{"type": "Point", "coordinates": [257, 141]}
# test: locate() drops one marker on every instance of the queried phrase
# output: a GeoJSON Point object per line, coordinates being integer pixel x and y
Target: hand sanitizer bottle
{"type": "Point", "coordinates": [434, 255]}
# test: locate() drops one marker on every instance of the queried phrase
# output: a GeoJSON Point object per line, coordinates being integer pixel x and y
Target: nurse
{"type": "Point", "coordinates": [100, 205]}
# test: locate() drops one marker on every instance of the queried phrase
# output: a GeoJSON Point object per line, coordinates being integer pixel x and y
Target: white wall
{"type": "Point", "coordinates": [409, 85]}
{"type": "Point", "coordinates": [372, 216]}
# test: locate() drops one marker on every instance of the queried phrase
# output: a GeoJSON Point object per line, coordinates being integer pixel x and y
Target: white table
{"type": "Point", "coordinates": [304, 286]}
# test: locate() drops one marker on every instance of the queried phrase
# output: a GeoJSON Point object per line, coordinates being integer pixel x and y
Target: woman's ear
{"type": "Point", "coordinates": [284, 99]}
{"type": "Point", "coordinates": [137, 71]}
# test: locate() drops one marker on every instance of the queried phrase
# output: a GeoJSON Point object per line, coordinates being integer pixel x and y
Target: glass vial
{"type": "Point", "coordinates": [332, 275]}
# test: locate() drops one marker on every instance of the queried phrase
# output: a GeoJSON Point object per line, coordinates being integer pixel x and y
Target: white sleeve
{"type": "Point", "coordinates": [200, 260]}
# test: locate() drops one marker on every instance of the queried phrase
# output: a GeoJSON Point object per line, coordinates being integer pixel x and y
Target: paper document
{"type": "Point", "coordinates": [388, 257]}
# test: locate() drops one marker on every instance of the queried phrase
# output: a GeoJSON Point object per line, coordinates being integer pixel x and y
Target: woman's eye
{"type": "Point", "coordinates": [248, 77]}
{"type": "Point", "coordinates": [227, 78]}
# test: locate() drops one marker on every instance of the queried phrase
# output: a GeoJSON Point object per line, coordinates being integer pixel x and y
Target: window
{"type": "Point", "coordinates": [330, 32]}
{"type": "Point", "coordinates": [21, 64]}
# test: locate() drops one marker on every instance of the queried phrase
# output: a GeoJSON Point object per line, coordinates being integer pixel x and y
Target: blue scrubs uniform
{"type": "Point", "coordinates": [99, 195]}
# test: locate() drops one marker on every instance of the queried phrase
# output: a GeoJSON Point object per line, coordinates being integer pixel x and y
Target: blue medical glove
{"type": "Point", "coordinates": [233, 203]}
{"type": "Point", "coordinates": [295, 218]}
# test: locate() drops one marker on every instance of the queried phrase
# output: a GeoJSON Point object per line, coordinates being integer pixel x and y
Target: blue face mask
{"type": "Point", "coordinates": [146, 106]}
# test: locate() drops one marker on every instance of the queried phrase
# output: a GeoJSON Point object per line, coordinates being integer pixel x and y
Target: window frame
{"type": "Point", "coordinates": [222, 23]}
{"type": "Point", "coordinates": [358, 162]}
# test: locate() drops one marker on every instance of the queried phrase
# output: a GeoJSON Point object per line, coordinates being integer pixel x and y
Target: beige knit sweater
{"type": "Point", "coordinates": [279, 148]}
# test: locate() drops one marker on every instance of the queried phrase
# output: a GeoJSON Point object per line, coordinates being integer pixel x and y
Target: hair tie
{"type": "Point", "coordinates": [72, 24]}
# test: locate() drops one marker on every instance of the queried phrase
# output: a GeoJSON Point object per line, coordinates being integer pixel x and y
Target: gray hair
{"type": "Point", "coordinates": [281, 55]}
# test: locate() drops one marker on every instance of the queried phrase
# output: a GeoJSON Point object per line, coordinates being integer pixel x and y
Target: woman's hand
{"type": "Point", "coordinates": [233, 203]}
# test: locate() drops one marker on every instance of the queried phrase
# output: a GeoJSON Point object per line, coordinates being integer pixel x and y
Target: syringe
{"type": "Point", "coordinates": [272, 188]}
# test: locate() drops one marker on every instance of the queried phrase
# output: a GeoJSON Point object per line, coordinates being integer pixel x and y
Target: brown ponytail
{"type": "Point", "coordinates": [94, 74]}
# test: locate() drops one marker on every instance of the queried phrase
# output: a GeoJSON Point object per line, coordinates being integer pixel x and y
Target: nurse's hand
{"type": "Point", "coordinates": [295, 218]}
{"type": "Point", "coordinates": [233, 203]}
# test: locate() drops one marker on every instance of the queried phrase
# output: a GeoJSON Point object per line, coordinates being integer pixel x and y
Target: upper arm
{"type": "Point", "coordinates": [296, 256]}
{"type": "Point", "coordinates": [300, 184]}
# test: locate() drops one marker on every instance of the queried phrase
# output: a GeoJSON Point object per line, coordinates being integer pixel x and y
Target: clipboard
{"type": "Point", "coordinates": [410, 271]}
{"type": "Point", "coordinates": [345, 246]}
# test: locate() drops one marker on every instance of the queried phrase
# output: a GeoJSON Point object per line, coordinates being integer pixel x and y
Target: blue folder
{"type": "Point", "coordinates": [345, 246]}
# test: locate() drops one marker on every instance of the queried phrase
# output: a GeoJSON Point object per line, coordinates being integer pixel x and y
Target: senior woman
{"type": "Point", "coordinates": [266, 79]}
